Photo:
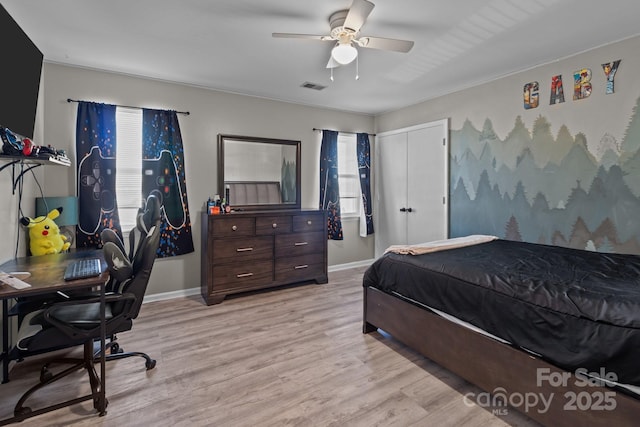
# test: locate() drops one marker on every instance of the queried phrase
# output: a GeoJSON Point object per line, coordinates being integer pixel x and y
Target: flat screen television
{"type": "Point", "coordinates": [19, 77]}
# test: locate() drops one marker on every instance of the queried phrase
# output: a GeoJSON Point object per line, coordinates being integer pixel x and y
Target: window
{"type": "Point", "coordinates": [348, 178]}
{"type": "Point", "coordinates": [128, 165]}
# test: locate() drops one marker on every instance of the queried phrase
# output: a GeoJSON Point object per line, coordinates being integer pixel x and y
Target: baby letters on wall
{"type": "Point", "coordinates": [582, 86]}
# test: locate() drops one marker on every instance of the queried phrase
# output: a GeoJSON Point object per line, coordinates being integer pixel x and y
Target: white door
{"type": "Point", "coordinates": [427, 211]}
{"type": "Point", "coordinates": [411, 185]}
{"type": "Point", "coordinates": [391, 191]}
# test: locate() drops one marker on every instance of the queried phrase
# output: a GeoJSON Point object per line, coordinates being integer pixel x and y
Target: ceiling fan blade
{"type": "Point", "coordinates": [332, 63]}
{"type": "Point", "coordinates": [385, 44]}
{"type": "Point", "coordinates": [301, 36]}
{"type": "Point", "coordinates": [358, 13]}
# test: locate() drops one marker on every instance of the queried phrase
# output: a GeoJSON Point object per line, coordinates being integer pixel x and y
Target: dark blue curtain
{"type": "Point", "coordinates": [163, 174]}
{"type": "Point", "coordinates": [364, 169]}
{"type": "Point", "coordinates": [329, 191]}
{"type": "Point", "coordinates": [96, 172]}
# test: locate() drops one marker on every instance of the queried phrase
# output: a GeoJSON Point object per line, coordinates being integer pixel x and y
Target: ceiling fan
{"type": "Point", "coordinates": [345, 30]}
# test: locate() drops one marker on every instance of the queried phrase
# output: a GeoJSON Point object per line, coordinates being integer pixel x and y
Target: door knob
{"type": "Point", "coordinates": [403, 209]}
{"type": "Point", "coordinates": [409, 210]}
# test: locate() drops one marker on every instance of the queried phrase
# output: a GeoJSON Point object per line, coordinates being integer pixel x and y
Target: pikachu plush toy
{"type": "Point", "coordinates": [44, 234]}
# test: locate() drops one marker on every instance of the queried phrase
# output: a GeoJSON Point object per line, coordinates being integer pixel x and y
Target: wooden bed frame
{"type": "Point", "coordinates": [492, 365]}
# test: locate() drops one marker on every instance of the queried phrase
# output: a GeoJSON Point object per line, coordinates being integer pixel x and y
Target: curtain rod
{"type": "Point", "coordinates": [186, 113]}
{"type": "Point", "coordinates": [352, 133]}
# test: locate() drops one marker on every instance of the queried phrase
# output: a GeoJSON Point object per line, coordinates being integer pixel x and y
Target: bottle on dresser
{"type": "Point", "coordinates": [213, 205]}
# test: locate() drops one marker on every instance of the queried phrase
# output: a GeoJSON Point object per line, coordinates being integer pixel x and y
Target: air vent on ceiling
{"type": "Point", "coordinates": [310, 85]}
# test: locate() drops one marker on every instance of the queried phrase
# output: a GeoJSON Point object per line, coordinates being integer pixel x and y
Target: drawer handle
{"type": "Point", "coordinates": [240, 276]}
{"type": "Point", "coordinates": [234, 228]}
{"type": "Point", "coordinates": [274, 225]}
{"type": "Point", "coordinates": [309, 222]}
{"type": "Point", "coordinates": [300, 243]}
{"type": "Point", "coordinates": [244, 249]}
{"type": "Point", "coordinates": [299, 267]}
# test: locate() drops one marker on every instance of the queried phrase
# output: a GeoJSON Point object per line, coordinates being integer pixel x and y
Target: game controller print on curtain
{"type": "Point", "coordinates": [163, 174]}
{"type": "Point", "coordinates": [96, 152]}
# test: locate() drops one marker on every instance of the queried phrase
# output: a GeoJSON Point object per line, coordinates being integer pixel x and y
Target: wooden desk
{"type": "Point", "coordinates": [47, 276]}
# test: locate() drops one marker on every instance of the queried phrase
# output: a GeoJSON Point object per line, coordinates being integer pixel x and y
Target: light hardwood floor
{"type": "Point", "coordinates": [292, 356]}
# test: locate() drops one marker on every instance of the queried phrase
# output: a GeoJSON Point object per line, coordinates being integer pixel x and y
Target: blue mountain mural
{"type": "Point", "coordinates": [535, 187]}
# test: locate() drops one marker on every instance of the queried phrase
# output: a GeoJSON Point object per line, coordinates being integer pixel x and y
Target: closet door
{"type": "Point", "coordinates": [427, 188]}
{"type": "Point", "coordinates": [391, 191]}
{"type": "Point", "coordinates": [411, 185]}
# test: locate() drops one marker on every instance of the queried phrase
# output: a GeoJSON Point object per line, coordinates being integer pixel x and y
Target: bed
{"type": "Point", "coordinates": [552, 331]}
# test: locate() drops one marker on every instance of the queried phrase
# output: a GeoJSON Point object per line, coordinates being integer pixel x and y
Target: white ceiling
{"type": "Point", "coordinates": [227, 44]}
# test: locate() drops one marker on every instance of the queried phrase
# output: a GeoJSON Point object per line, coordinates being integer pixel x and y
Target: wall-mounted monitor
{"type": "Point", "coordinates": [20, 70]}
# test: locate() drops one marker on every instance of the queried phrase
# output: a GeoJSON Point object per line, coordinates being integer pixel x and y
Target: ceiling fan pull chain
{"type": "Point", "coordinates": [357, 68]}
{"type": "Point", "coordinates": [331, 74]}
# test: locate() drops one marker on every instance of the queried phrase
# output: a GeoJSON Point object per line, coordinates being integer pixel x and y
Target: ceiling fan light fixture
{"type": "Point", "coordinates": [344, 53]}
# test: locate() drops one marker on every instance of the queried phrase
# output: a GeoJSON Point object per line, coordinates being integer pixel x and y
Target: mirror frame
{"type": "Point", "coordinates": [224, 139]}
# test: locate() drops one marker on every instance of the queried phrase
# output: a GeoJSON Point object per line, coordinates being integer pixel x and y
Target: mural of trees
{"type": "Point", "coordinates": [536, 187]}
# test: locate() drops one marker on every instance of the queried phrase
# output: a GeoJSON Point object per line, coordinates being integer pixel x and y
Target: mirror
{"type": "Point", "coordinates": [260, 173]}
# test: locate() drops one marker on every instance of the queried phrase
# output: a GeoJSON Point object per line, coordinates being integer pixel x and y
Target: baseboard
{"type": "Point", "coordinates": [362, 263]}
{"type": "Point", "coordinates": [171, 295]}
{"type": "Point", "coordinates": [196, 291]}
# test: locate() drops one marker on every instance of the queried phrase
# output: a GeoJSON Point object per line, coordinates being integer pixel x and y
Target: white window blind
{"type": "Point", "coordinates": [349, 181]}
{"type": "Point", "coordinates": [128, 165]}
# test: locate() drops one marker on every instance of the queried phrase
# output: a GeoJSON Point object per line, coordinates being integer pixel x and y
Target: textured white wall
{"type": "Point", "coordinates": [502, 100]}
{"type": "Point", "coordinates": [211, 113]}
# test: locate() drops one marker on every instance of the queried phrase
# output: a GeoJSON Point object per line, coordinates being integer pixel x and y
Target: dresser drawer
{"type": "Point", "coordinates": [242, 249]}
{"type": "Point", "coordinates": [305, 267]}
{"type": "Point", "coordinates": [273, 224]}
{"type": "Point", "coordinates": [288, 245]}
{"type": "Point", "coordinates": [241, 275]}
{"type": "Point", "coordinates": [246, 251]}
{"type": "Point", "coordinates": [233, 227]}
{"type": "Point", "coordinates": [309, 222]}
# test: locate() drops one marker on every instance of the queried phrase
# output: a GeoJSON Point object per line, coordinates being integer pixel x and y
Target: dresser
{"type": "Point", "coordinates": [244, 251]}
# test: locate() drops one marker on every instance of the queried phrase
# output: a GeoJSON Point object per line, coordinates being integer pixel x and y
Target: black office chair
{"type": "Point", "coordinates": [77, 321]}
{"type": "Point", "coordinates": [130, 273]}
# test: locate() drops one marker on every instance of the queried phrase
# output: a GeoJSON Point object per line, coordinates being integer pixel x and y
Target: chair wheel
{"type": "Point", "coordinates": [25, 410]}
{"type": "Point", "coordinates": [45, 375]}
{"type": "Point", "coordinates": [106, 403]}
{"type": "Point", "coordinates": [150, 364]}
{"type": "Point", "coordinates": [115, 348]}
{"type": "Point", "coordinates": [95, 405]}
